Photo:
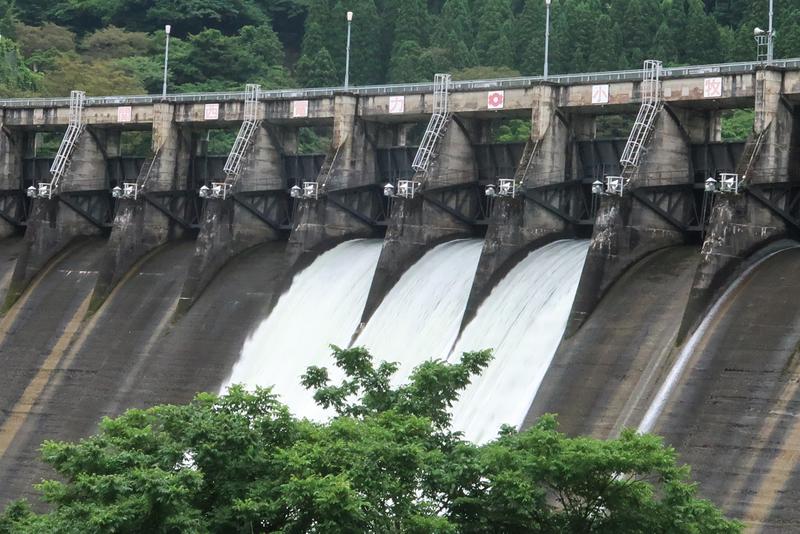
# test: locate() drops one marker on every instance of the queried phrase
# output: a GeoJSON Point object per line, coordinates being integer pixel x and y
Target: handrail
{"type": "Point", "coordinates": [412, 88]}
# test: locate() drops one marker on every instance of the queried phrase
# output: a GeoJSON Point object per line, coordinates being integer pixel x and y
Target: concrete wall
{"type": "Point", "coordinates": [625, 229]}
{"type": "Point", "coordinates": [519, 225]}
{"type": "Point", "coordinates": [139, 227]}
{"type": "Point", "coordinates": [52, 225]}
{"type": "Point", "coordinates": [321, 223]}
{"type": "Point", "coordinates": [227, 227]}
{"type": "Point", "coordinates": [417, 224]}
{"type": "Point", "coordinates": [740, 225]}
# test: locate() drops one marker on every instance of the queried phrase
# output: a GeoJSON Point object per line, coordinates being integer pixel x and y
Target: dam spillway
{"type": "Point", "coordinates": [322, 307]}
{"type": "Point", "coordinates": [588, 294]}
{"type": "Point", "coordinates": [420, 317]}
{"type": "Point", "coordinates": [522, 321]}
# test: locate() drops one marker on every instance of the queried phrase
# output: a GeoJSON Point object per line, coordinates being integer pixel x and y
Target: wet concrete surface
{"type": "Point", "coordinates": [734, 413]}
{"type": "Point", "coordinates": [10, 249]}
{"type": "Point", "coordinates": [33, 336]}
{"type": "Point", "coordinates": [129, 354]}
{"type": "Point", "coordinates": [598, 373]}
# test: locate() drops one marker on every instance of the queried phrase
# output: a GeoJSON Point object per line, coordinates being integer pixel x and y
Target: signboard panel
{"type": "Point", "coordinates": [124, 114]}
{"type": "Point", "coordinates": [600, 94]}
{"type": "Point", "coordinates": [712, 88]}
{"type": "Point", "coordinates": [495, 99]}
{"type": "Point", "coordinates": [211, 112]}
{"type": "Point", "coordinates": [397, 104]}
{"type": "Point", "coordinates": [300, 109]}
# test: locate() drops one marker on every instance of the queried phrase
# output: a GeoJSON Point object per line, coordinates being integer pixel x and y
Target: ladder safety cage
{"type": "Point", "coordinates": [650, 107]}
{"type": "Point", "coordinates": [244, 139]}
{"type": "Point", "coordinates": [58, 169]}
{"type": "Point", "coordinates": [437, 124]}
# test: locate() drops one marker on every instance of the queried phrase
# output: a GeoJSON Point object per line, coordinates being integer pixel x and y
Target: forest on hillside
{"type": "Point", "coordinates": [117, 46]}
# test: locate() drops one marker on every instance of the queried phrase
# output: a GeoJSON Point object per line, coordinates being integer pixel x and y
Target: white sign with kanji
{"type": "Point", "coordinates": [495, 99]}
{"type": "Point", "coordinates": [300, 109]}
{"type": "Point", "coordinates": [211, 112]}
{"type": "Point", "coordinates": [397, 104]}
{"type": "Point", "coordinates": [124, 114]}
{"type": "Point", "coordinates": [712, 88]}
{"type": "Point", "coordinates": [600, 94]}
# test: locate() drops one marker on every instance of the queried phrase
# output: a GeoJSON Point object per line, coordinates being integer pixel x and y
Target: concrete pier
{"type": "Point", "coordinates": [741, 224]}
{"type": "Point", "coordinates": [433, 215]}
{"type": "Point", "coordinates": [139, 227]}
{"type": "Point", "coordinates": [519, 225]}
{"type": "Point", "coordinates": [231, 225]}
{"type": "Point", "coordinates": [346, 207]}
{"type": "Point", "coordinates": [628, 228]}
{"type": "Point", "coordinates": [54, 222]}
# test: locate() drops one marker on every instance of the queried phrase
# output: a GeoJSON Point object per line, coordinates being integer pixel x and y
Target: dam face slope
{"type": "Point", "coordinates": [732, 414]}
{"type": "Point", "coordinates": [130, 355]}
{"type": "Point", "coordinates": [597, 374]}
{"type": "Point", "coordinates": [10, 248]}
{"type": "Point", "coordinates": [34, 335]}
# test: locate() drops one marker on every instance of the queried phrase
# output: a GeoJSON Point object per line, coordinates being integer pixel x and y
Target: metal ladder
{"type": "Point", "coordinates": [436, 126]}
{"type": "Point", "coordinates": [247, 132]}
{"type": "Point", "coordinates": [58, 169]}
{"type": "Point", "coordinates": [650, 107]}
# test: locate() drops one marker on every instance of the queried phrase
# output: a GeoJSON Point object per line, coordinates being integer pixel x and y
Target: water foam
{"type": "Point", "coordinates": [323, 306]}
{"type": "Point", "coordinates": [523, 320]}
{"type": "Point", "coordinates": [420, 317]}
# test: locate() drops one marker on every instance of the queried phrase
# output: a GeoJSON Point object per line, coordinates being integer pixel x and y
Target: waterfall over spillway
{"type": "Point", "coordinates": [523, 320]}
{"type": "Point", "coordinates": [419, 318]}
{"type": "Point", "coordinates": [323, 306]}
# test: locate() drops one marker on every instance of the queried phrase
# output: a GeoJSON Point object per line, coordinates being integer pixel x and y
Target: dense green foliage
{"type": "Point", "coordinates": [116, 46]}
{"type": "Point", "coordinates": [386, 462]}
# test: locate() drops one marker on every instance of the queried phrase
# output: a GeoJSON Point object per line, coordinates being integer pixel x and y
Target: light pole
{"type": "Point", "coordinates": [167, 29]}
{"type": "Point", "coordinates": [347, 56]}
{"type": "Point", "coordinates": [547, 40]}
{"type": "Point", "coordinates": [770, 35]}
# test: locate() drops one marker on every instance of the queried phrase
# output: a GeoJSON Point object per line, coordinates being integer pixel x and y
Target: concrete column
{"type": "Point", "coordinates": [416, 225]}
{"type": "Point", "coordinates": [52, 224]}
{"type": "Point", "coordinates": [625, 229]}
{"type": "Point", "coordinates": [740, 225]}
{"type": "Point", "coordinates": [351, 162]}
{"type": "Point", "coordinates": [228, 227]}
{"type": "Point", "coordinates": [519, 225]}
{"type": "Point", "coordinates": [702, 126]}
{"type": "Point", "coordinates": [12, 149]}
{"type": "Point", "coordinates": [139, 227]}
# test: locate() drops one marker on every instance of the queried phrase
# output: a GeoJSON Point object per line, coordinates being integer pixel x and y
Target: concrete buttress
{"type": "Point", "coordinates": [417, 224]}
{"type": "Point", "coordinates": [742, 224]}
{"type": "Point", "coordinates": [519, 225]}
{"type": "Point", "coordinates": [626, 229]}
{"type": "Point", "coordinates": [12, 149]}
{"type": "Point", "coordinates": [228, 227]}
{"type": "Point", "coordinates": [139, 227]}
{"type": "Point", "coordinates": [344, 210]}
{"type": "Point", "coordinates": [53, 222]}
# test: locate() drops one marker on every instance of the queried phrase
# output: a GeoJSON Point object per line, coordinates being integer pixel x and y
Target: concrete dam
{"type": "Point", "coordinates": [645, 278]}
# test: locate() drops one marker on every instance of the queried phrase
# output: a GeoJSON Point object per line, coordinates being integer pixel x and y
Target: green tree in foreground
{"type": "Point", "coordinates": [386, 462]}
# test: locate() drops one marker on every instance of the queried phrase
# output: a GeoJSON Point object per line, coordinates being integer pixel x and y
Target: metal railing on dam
{"type": "Point", "coordinates": [410, 88]}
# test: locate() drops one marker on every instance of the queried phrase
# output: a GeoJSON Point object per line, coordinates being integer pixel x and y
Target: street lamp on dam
{"type": "Point", "coordinates": [167, 29]}
{"type": "Point", "coordinates": [347, 55]}
{"type": "Point", "coordinates": [547, 40]}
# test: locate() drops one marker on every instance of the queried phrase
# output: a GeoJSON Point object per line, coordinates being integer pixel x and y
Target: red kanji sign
{"type": "Point", "coordinates": [495, 99]}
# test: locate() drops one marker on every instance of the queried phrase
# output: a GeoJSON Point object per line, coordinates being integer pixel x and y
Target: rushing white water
{"type": "Point", "coordinates": [523, 320]}
{"type": "Point", "coordinates": [685, 356]}
{"type": "Point", "coordinates": [323, 306]}
{"type": "Point", "coordinates": [420, 317]}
